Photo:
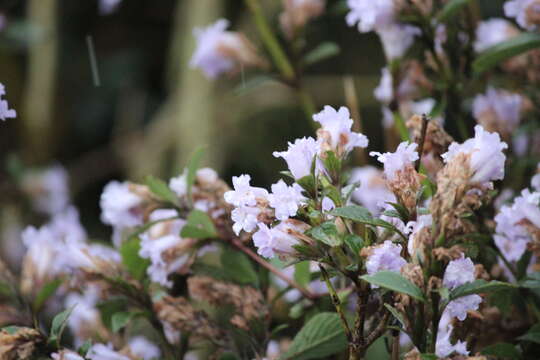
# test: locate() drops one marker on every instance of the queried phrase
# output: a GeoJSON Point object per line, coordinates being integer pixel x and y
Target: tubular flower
{"type": "Point", "coordinates": [285, 199]}
{"type": "Point", "coordinates": [300, 156]}
{"type": "Point", "coordinates": [385, 257]}
{"type": "Point", "coordinates": [279, 239]}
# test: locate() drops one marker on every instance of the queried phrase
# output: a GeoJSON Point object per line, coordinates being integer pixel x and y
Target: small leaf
{"type": "Point", "coordinates": [505, 50]}
{"type": "Point", "coordinates": [326, 233]}
{"type": "Point", "coordinates": [322, 52]}
{"type": "Point", "coordinates": [320, 337]}
{"type": "Point", "coordinates": [395, 282]}
{"type": "Point", "coordinates": [502, 350]}
{"type": "Point", "coordinates": [238, 267]}
{"type": "Point", "coordinates": [192, 167]}
{"type": "Point", "coordinates": [451, 9]}
{"type": "Point", "coordinates": [198, 226]}
{"type": "Point", "coordinates": [131, 259]}
{"type": "Point", "coordinates": [533, 335]}
{"type": "Point", "coordinates": [120, 319]}
{"type": "Point", "coordinates": [354, 242]}
{"type": "Point", "coordinates": [45, 293]}
{"type": "Point", "coordinates": [160, 189]}
{"type": "Point", "coordinates": [302, 273]}
{"type": "Point", "coordinates": [395, 312]}
{"type": "Point", "coordinates": [83, 349]}
{"type": "Point", "coordinates": [479, 287]}
{"type": "Point", "coordinates": [58, 325]}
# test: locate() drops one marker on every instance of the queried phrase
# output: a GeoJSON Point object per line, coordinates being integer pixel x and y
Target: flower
{"type": "Point", "coordinates": [526, 12]}
{"type": "Point", "coordinates": [279, 239]}
{"type": "Point", "coordinates": [535, 181]}
{"type": "Point", "coordinates": [299, 156]}
{"type": "Point", "coordinates": [458, 272]}
{"type": "Point", "coordinates": [443, 346]}
{"type": "Point", "coordinates": [458, 308]}
{"type": "Point", "coordinates": [179, 184]}
{"type": "Point", "coordinates": [327, 204]}
{"type": "Point", "coordinates": [296, 13]}
{"type": "Point", "coordinates": [66, 355]}
{"type": "Point", "coordinates": [511, 237]}
{"type": "Point", "coordinates": [245, 218]}
{"type": "Point", "coordinates": [386, 256]}
{"type": "Point", "coordinates": [492, 32]}
{"type": "Point", "coordinates": [85, 318]}
{"type": "Point", "coordinates": [107, 7]}
{"type": "Point", "coordinates": [143, 349]}
{"type": "Point", "coordinates": [370, 15]}
{"type": "Point", "coordinates": [336, 130]}
{"type": "Point", "coordinates": [498, 110]}
{"type": "Point", "coordinates": [285, 199]}
{"type": "Point", "coordinates": [372, 192]}
{"type": "Point", "coordinates": [413, 229]}
{"type": "Point", "coordinates": [397, 39]}
{"type": "Point", "coordinates": [244, 194]}
{"type": "Point", "coordinates": [104, 352]}
{"type": "Point", "coordinates": [67, 226]}
{"type": "Point", "coordinates": [384, 91]}
{"type": "Point", "coordinates": [120, 206]}
{"type": "Point", "coordinates": [486, 155]}
{"type": "Point", "coordinates": [404, 156]}
{"type": "Point", "coordinates": [5, 111]}
{"type": "Point", "coordinates": [48, 189]}
{"type": "Point", "coordinates": [528, 206]}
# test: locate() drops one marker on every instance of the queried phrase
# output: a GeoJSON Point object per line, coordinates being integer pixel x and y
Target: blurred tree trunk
{"type": "Point", "coordinates": [40, 87]}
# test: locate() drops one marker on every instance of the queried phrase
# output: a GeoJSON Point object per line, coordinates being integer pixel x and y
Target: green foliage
{"type": "Point", "coordinates": [451, 9]}
{"type": "Point", "coordinates": [479, 287]}
{"type": "Point", "coordinates": [362, 215]}
{"type": "Point", "coordinates": [238, 267]}
{"type": "Point", "coordinates": [161, 190]}
{"type": "Point", "coordinates": [131, 259]}
{"type": "Point", "coordinates": [322, 52]}
{"type": "Point", "coordinates": [120, 319]}
{"type": "Point", "coordinates": [58, 325]}
{"type": "Point", "coordinates": [302, 273]}
{"type": "Point", "coordinates": [45, 293]}
{"type": "Point", "coordinates": [326, 233]}
{"type": "Point", "coordinates": [533, 335]}
{"type": "Point", "coordinates": [192, 167]}
{"type": "Point", "coordinates": [502, 351]}
{"type": "Point", "coordinates": [320, 337]}
{"type": "Point", "coordinates": [198, 226]}
{"type": "Point", "coordinates": [395, 282]}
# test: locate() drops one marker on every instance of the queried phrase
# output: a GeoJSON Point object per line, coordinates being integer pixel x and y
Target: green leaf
{"type": "Point", "coordinates": [320, 337]}
{"type": "Point", "coordinates": [395, 282]}
{"type": "Point", "coordinates": [228, 356]}
{"type": "Point", "coordinates": [238, 267]}
{"type": "Point", "coordinates": [322, 52]}
{"type": "Point", "coordinates": [354, 242]}
{"type": "Point", "coordinates": [58, 325]}
{"type": "Point", "coordinates": [479, 287]}
{"type": "Point", "coordinates": [110, 307]}
{"type": "Point", "coordinates": [451, 9]}
{"type": "Point", "coordinates": [505, 50]}
{"type": "Point", "coordinates": [198, 226]}
{"type": "Point", "coordinates": [131, 259]}
{"type": "Point", "coordinates": [326, 233]}
{"type": "Point", "coordinates": [192, 167]}
{"type": "Point", "coordinates": [11, 329]}
{"type": "Point", "coordinates": [395, 312]}
{"type": "Point", "coordinates": [302, 273]}
{"type": "Point", "coordinates": [120, 319]}
{"type": "Point", "coordinates": [161, 190]}
{"type": "Point", "coordinates": [533, 335]}
{"type": "Point", "coordinates": [362, 215]}
{"type": "Point", "coordinates": [502, 351]}
{"type": "Point", "coordinates": [45, 293]}
{"type": "Point", "coordinates": [83, 349]}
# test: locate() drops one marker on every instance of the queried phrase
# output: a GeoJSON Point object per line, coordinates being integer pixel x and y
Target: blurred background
{"type": "Point", "coordinates": [140, 109]}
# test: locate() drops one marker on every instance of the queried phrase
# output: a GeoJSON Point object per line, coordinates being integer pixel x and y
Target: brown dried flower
{"type": "Point", "coordinates": [296, 14]}
{"type": "Point", "coordinates": [20, 344]}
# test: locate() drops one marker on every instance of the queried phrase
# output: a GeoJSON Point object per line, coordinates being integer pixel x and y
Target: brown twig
{"type": "Point", "coordinates": [425, 121]}
{"type": "Point", "coordinates": [238, 244]}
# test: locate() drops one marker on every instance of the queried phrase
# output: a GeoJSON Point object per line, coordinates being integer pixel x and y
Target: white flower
{"type": "Point", "coordinates": [384, 92]}
{"type": "Point", "coordinates": [299, 156]}
{"type": "Point", "coordinates": [487, 157]}
{"type": "Point", "coordinates": [85, 315]}
{"type": "Point", "coordinates": [372, 191]}
{"type": "Point", "coordinates": [143, 349]}
{"type": "Point", "coordinates": [414, 227]}
{"type": "Point", "coordinates": [327, 204]}
{"type": "Point", "coordinates": [512, 248]}
{"type": "Point", "coordinates": [66, 355]}
{"type": "Point", "coordinates": [179, 184]}
{"type": "Point", "coordinates": [493, 31]}
{"type": "Point", "coordinates": [107, 7]}
{"type": "Point", "coordinates": [522, 11]}
{"type": "Point", "coordinates": [279, 239]}
{"type": "Point", "coordinates": [397, 39]}
{"type": "Point", "coordinates": [244, 194]}
{"type": "Point", "coordinates": [244, 218]}
{"type": "Point", "coordinates": [42, 245]}
{"type": "Point", "coordinates": [385, 257]}
{"type": "Point", "coordinates": [459, 272]}
{"type": "Point", "coordinates": [369, 14]}
{"type": "Point", "coordinates": [337, 125]}
{"type": "Point", "coordinates": [48, 189]}
{"type": "Point", "coordinates": [104, 352]}
{"type": "Point", "coordinates": [502, 107]}
{"type": "Point", "coordinates": [285, 199]}
{"type": "Point", "coordinates": [263, 239]}
{"type": "Point", "coordinates": [443, 346]}
{"type": "Point", "coordinates": [404, 156]}
{"type": "Point", "coordinates": [67, 226]}
{"type": "Point", "coordinates": [5, 111]}
{"type": "Point", "coordinates": [511, 237]}
{"type": "Point", "coordinates": [528, 206]}
{"type": "Point", "coordinates": [119, 206]}
{"type": "Point", "coordinates": [458, 308]}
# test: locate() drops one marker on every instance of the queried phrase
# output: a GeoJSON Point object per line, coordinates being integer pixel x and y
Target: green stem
{"type": "Point", "coordinates": [337, 304]}
{"type": "Point", "coordinates": [401, 128]}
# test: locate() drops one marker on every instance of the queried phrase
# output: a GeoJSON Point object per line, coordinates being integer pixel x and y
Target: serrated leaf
{"type": "Point", "coordinates": [502, 351]}
{"type": "Point", "coordinates": [131, 259]}
{"type": "Point", "coordinates": [238, 267]}
{"type": "Point", "coordinates": [198, 226]}
{"type": "Point", "coordinates": [302, 273]}
{"type": "Point", "coordinates": [120, 319]}
{"type": "Point", "coordinates": [395, 282]}
{"type": "Point", "coordinates": [192, 167]}
{"type": "Point", "coordinates": [322, 52]}
{"type": "Point", "coordinates": [451, 9]}
{"type": "Point", "coordinates": [161, 190]}
{"type": "Point", "coordinates": [533, 335]}
{"type": "Point", "coordinates": [326, 233]}
{"type": "Point", "coordinates": [505, 50]}
{"type": "Point", "coordinates": [320, 337]}
{"type": "Point", "coordinates": [479, 287]}
{"type": "Point", "coordinates": [45, 293]}
{"type": "Point", "coordinates": [58, 325]}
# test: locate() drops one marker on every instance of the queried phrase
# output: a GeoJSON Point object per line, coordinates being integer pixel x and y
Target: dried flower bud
{"type": "Point", "coordinates": [20, 344]}
{"type": "Point", "coordinates": [414, 273]}
{"type": "Point", "coordinates": [296, 14]}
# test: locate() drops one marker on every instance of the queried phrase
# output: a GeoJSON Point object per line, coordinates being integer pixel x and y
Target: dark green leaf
{"type": "Point", "coordinates": [83, 349]}
{"type": "Point", "coordinates": [58, 325]}
{"type": "Point", "coordinates": [395, 282]}
{"type": "Point", "coordinates": [326, 233]}
{"type": "Point", "coordinates": [302, 273]}
{"type": "Point", "coordinates": [395, 312]}
{"type": "Point", "coordinates": [131, 259]}
{"type": "Point", "coordinates": [533, 335]}
{"type": "Point", "coordinates": [479, 287]}
{"type": "Point", "coordinates": [322, 52]}
{"type": "Point", "coordinates": [362, 215]}
{"type": "Point", "coordinates": [502, 351]}
{"type": "Point", "coordinates": [354, 242]}
{"type": "Point", "coordinates": [110, 307]}
{"type": "Point", "coordinates": [320, 337]}
{"type": "Point", "coordinates": [451, 9]}
{"type": "Point", "coordinates": [161, 190]}
{"type": "Point", "coordinates": [120, 319]}
{"type": "Point", "coordinates": [505, 50]}
{"type": "Point", "coordinates": [45, 293]}
{"type": "Point", "coordinates": [238, 267]}
{"type": "Point", "coordinates": [192, 167]}
{"type": "Point", "coordinates": [198, 226]}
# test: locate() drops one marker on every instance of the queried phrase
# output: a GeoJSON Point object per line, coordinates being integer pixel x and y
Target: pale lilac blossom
{"type": "Point", "coordinates": [5, 111]}
{"type": "Point", "coordinates": [385, 257]}
{"type": "Point", "coordinates": [143, 349]}
{"type": "Point", "coordinates": [66, 355]}
{"type": "Point", "coordinates": [337, 125]}
{"type": "Point", "coordinates": [278, 240]}
{"type": "Point", "coordinates": [492, 32]}
{"type": "Point", "coordinates": [501, 106]}
{"type": "Point", "coordinates": [370, 15]}
{"type": "Point", "coordinates": [244, 194]}
{"type": "Point", "coordinates": [521, 10]}
{"type": "Point", "coordinates": [300, 156]}
{"type": "Point", "coordinates": [285, 199]}
{"type": "Point", "coordinates": [107, 7]}
{"type": "Point", "coordinates": [104, 352]}
{"type": "Point", "coordinates": [48, 188]}
{"type": "Point", "coordinates": [245, 218]}
{"type": "Point", "coordinates": [459, 272]}
{"type": "Point", "coordinates": [372, 191]}
{"type": "Point", "coordinates": [413, 228]}
{"type": "Point", "coordinates": [458, 308]}
{"type": "Point", "coordinates": [120, 206]}
{"type": "Point", "coordinates": [443, 346]}
{"type": "Point", "coordinates": [396, 39]}
{"type": "Point", "coordinates": [384, 92]}
{"type": "Point", "coordinates": [405, 155]}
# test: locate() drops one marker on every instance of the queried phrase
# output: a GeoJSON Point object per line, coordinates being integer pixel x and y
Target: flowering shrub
{"type": "Point", "coordinates": [433, 255]}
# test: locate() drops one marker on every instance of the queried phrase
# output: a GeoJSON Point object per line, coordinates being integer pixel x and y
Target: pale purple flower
{"type": "Point", "coordinates": [413, 228]}
{"type": "Point", "coordinates": [372, 191]}
{"type": "Point", "coordinates": [84, 313]}
{"type": "Point", "coordinates": [338, 124]}
{"type": "Point", "coordinates": [492, 32]}
{"type": "Point", "coordinates": [143, 349]}
{"type": "Point", "coordinates": [120, 206]}
{"type": "Point", "coordinates": [66, 355]}
{"type": "Point", "coordinates": [66, 225]}
{"type": "Point", "coordinates": [245, 218]}
{"type": "Point", "coordinates": [459, 272]}
{"type": "Point", "coordinates": [327, 204]}
{"type": "Point", "coordinates": [512, 248]}
{"type": "Point", "coordinates": [384, 92]}
{"type": "Point", "coordinates": [104, 352]}
{"type": "Point", "coordinates": [487, 157]}
{"type": "Point", "coordinates": [528, 206]}
{"type": "Point", "coordinates": [443, 346]}
{"type": "Point", "coordinates": [405, 155]}
{"type": "Point", "coordinates": [42, 248]}
{"type": "Point", "coordinates": [396, 39]}
{"type": "Point", "coordinates": [48, 189]}
{"type": "Point", "coordinates": [385, 257]}
{"type": "Point", "coordinates": [300, 156]}
{"type": "Point", "coordinates": [178, 184]}
{"type": "Point", "coordinates": [263, 239]}
{"type": "Point", "coordinates": [370, 15]}
{"type": "Point", "coordinates": [279, 239]}
{"type": "Point", "coordinates": [107, 7]}
{"type": "Point", "coordinates": [535, 181]}
{"type": "Point", "coordinates": [244, 194]}
{"type": "Point", "coordinates": [521, 10]}
{"type": "Point", "coordinates": [5, 111]}
{"type": "Point", "coordinates": [285, 199]}
{"type": "Point", "coordinates": [207, 56]}
{"type": "Point", "coordinates": [506, 107]}
{"type": "Point", "coordinates": [458, 308]}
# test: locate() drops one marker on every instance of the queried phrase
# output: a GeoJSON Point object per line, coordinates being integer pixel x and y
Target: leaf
{"type": "Point", "coordinates": [355, 243]}
{"type": "Point", "coordinates": [533, 335]}
{"type": "Point", "coordinates": [83, 349]}
{"type": "Point", "coordinates": [120, 320]}
{"type": "Point", "coordinates": [58, 325]}
{"type": "Point", "coordinates": [502, 350]}
{"type": "Point", "coordinates": [322, 52]}
{"type": "Point", "coordinates": [192, 167]}
{"type": "Point", "coordinates": [161, 190]}
{"type": "Point", "coordinates": [505, 50]}
{"type": "Point", "coordinates": [45, 293]}
{"type": "Point", "coordinates": [396, 314]}
{"type": "Point", "coordinates": [479, 287]}
{"type": "Point", "coordinates": [451, 9]}
{"type": "Point", "coordinates": [250, 84]}
{"type": "Point", "coordinates": [238, 267]}
{"type": "Point", "coordinates": [395, 282]}
{"type": "Point", "coordinates": [302, 273]}
{"type": "Point", "coordinates": [131, 259]}
{"type": "Point", "coordinates": [110, 307]}
{"type": "Point", "coordinates": [198, 226]}
{"type": "Point", "coordinates": [326, 233]}
{"type": "Point", "coordinates": [320, 337]}
{"type": "Point", "coordinates": [11, 329]}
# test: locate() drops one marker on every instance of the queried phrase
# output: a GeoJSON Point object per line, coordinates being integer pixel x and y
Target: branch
{"type": "Point", "coordinates": [337, 304]}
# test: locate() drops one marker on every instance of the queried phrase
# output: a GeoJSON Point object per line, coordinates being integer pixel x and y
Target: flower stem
{"type": "Point", "coordinates": [337, 304]}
